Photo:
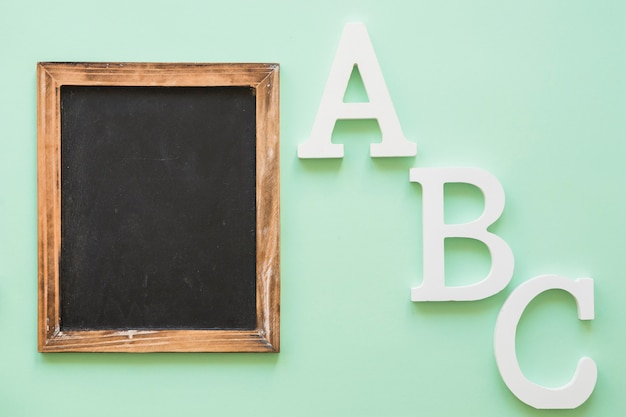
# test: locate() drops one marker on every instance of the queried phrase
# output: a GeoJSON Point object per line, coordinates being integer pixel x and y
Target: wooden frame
{"type": "Point", "coordinates": [262, 77]}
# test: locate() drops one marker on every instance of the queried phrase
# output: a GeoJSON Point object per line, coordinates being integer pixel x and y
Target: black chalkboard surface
{"type": "Point", "coordinates": [158, 207]}
{"type": "Point", "coordinates": [158, 217]}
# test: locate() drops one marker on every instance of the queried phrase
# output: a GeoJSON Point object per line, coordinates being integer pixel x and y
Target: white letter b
{"type": "Point", "coordinates": [435, 231]}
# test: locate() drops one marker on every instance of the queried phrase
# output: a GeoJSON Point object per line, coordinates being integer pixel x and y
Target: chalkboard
{"type": "Point", "coordinates": [158, 207]}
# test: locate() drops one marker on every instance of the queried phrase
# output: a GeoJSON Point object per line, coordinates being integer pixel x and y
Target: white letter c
{"type": "Point", "coordinates": [578, 390]}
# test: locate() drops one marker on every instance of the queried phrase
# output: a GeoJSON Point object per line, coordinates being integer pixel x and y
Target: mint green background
{"type": "Point", "coordinates": [532, 91]}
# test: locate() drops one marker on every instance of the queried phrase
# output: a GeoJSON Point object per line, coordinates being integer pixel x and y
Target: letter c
{"type": "Point", "coordinates": [578, 390]}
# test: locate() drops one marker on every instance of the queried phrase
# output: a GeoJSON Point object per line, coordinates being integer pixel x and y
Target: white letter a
{"type": "Point", "coordinates": [355, 49]}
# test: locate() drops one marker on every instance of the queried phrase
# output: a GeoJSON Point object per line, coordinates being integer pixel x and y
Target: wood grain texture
{"type": "Point", "coordinates": [264, 78]}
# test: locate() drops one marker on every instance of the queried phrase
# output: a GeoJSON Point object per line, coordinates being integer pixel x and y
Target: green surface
{"type": "Point", "coordinates": [533, 91]}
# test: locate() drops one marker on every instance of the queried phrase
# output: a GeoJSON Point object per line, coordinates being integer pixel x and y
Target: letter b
{"type": "Point", "coordinates": [435, 231]}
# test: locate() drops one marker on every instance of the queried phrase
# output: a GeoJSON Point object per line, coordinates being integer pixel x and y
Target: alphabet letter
{"type": "Point", "coordinates": [578, 390]}
{"type": "Point", "coordinates": [355, 48]}
{"type": "Point", "coordinates": [433, 287]}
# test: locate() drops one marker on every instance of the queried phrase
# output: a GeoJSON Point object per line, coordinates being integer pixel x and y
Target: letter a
{"type": "Point", "coordinates": [433, 287]}
{"type": "Point", "coordinates": [355, 49]}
